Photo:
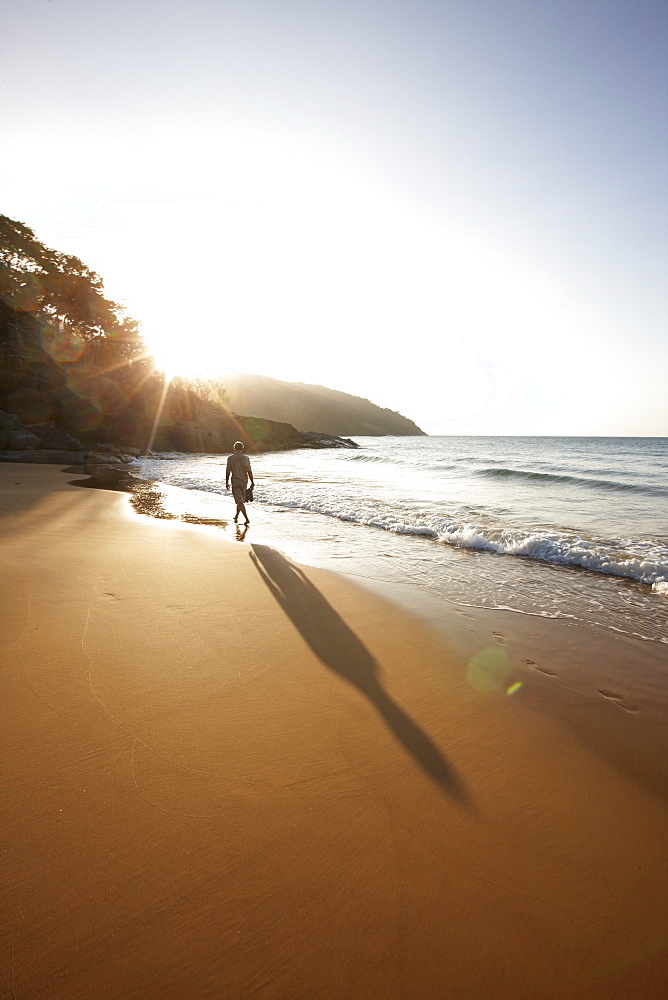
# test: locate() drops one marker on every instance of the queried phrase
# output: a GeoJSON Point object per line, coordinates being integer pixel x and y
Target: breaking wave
{"type": "Point", "coordinates": [595, 512]}
{"type": "Point", "coordinates": [643, 560]}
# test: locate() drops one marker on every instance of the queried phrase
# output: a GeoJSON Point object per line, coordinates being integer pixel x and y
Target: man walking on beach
{"type": "Point", "coordinates": [239, 468]}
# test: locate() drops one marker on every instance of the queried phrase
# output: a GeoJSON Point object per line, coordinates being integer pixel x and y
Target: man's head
{"type": "Point", "coordinates": [238, 446]}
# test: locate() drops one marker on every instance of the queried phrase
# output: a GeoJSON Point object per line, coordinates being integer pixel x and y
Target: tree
{"type": "Point", "coordinates": [64, 292]}
{"type": "Point", "coordinates": [211, 390]}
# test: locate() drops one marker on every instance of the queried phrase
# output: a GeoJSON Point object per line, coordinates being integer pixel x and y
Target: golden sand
{"type": "Point", "coordinates": [228, 776]}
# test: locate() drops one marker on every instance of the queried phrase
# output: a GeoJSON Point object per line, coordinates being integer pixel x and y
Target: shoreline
{"type": "Point", "coordinates": [159, 499]}
{"type": "Point", "coordinates": [228, 773]}
{"type": "Point", "coordinates": [314, 534]}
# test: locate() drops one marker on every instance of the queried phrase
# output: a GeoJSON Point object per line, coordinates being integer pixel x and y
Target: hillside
{"type": "Point", "coordinates": [313, 407]}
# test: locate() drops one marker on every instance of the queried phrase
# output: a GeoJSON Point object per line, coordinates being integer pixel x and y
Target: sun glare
{"type": "Point", "coordinates": [303, 264]}
{"type": "Point", "coordinates": [259, 253]}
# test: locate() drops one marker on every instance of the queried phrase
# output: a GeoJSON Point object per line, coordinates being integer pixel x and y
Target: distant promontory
{"type": "Point", "coordinates": [313, 407]}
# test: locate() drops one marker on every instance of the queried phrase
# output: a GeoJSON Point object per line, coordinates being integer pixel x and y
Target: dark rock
{"type": "Point", "coordinates": [51, 437]}
{"type": "Point", "coordinates": [14, 435]}
{"type": "Point", "coordinates": [29, 405]}
{"type": "Point", "coordinates": [103, 458]}
{"type": "Point", "coordinates": [274, 435]}
{"type": "Point", "coordinates": [313, 439]}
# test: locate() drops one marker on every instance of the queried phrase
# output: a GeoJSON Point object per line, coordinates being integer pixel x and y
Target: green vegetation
{"type": "Point", "coordinates": [65, 296]}
{"type": "Point", "coordinates": [68, 355]}
{"type": "Point", "coordinates": [208, 389]}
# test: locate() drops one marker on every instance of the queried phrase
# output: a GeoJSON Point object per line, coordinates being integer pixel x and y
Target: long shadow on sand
{"type": "Point", "coordinates": [337, 646]}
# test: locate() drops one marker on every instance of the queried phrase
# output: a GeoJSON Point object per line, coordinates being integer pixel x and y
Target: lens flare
{"type": "Point", "coordinates": [158, 413]}
{"type": "Point", "coordinates": [489, 670]}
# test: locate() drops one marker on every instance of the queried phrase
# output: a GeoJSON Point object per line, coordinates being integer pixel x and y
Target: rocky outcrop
{"type": "Point", "coordinates": [89, 460]}
{"type": "Point", "coordinates": [46, 443]}
{"type": "Point", "coordinates": [312, 439]}
{"type": "Point", "coordinates": [217, 433]}
{"type": "Point", "coordinates": [16, 436]}
{"type": "Point", "coordinates": [274, 435]}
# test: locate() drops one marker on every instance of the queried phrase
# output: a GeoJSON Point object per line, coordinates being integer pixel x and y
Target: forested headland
{"type": "Point", "coordinates": [75, 372]}
{"type": "Point", "coordinates": [314, 406]}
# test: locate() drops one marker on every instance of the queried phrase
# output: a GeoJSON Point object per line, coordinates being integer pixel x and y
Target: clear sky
{"type": "Point", "coordinates": [457, 209]}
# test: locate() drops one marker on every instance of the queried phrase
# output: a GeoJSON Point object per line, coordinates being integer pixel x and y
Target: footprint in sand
{"type": "Point", "coordinates": [617, 699]}
{"type": "Point", "coordinates": [500, 638]}
{"type": "Point", "coordinates": [541, 670]}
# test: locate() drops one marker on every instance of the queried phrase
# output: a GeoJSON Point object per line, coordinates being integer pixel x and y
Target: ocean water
{"type": "Point", "coordinates": [557, 527]}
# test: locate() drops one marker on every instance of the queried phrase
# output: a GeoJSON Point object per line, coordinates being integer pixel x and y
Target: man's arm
{"type": "Point", "coordinates": [250, 474]}
{"type": "Point", "coordinates": [227, 474]}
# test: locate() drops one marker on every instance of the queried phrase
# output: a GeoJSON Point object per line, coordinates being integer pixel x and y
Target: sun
{"type": "Point", "coordinates": [284, 263]}
{"type": "Point", "coordinates": [277, 259]}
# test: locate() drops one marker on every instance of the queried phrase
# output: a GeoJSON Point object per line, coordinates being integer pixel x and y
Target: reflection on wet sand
{"type": "Point", "coordinates": [158, 499]}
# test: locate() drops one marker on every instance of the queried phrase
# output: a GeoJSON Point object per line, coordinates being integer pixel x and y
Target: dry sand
{"type": "Point", "coordinates": [227, 776]}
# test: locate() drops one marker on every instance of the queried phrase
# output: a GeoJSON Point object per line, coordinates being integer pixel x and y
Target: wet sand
{"type": "Point", "coordinates": [225, 775]}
